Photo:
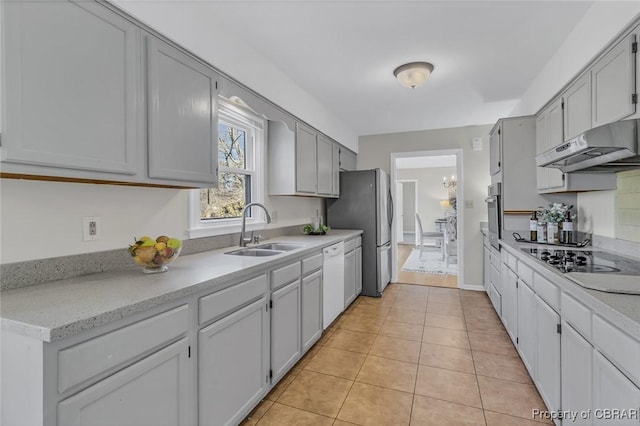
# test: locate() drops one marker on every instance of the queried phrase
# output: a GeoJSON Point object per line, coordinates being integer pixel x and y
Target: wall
{"type": "Point", "coordinates": [44, 219]}
{"type": "Point", "coordinates": [430, 192]}
{"type": "Point", "coordinates": [375, 151]}
{"type": "Point", "coordinates": [408, 206]}
{"type": "Point", "coordinates": [192, 25]}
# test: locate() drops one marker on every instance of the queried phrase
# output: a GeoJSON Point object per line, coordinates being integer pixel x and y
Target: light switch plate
{"type": "Point", "coordinates": [468, 204]}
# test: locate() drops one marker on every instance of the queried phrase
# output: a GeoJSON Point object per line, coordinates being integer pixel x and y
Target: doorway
{"type": "Point", "coordinates": [426, 185]}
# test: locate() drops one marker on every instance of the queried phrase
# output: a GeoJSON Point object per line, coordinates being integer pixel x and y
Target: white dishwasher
{"type": "Point", "coordinates": [332, 283]}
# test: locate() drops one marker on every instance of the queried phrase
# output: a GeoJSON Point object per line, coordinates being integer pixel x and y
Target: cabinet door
{"type": "Point", "coordinates": [325, 165]}
{"type": "Point", "coordinates": [153, 391]}
{"type": "Point", "coordinates": [335, 167]}
{"type": "Point", "coordinates": [527, 341]}
{"type": "Point", "coordinates": [311, 309]}
{"type": "Point", "coordinates": [613, 83]}
{"type": "Point", "coordinates": [555, 177]}
{"type": "Point", "coordinates": [233, 365]}
{"type": "Point", "coordinates": [285, 329]}
{"type": "Point", "coordinates": [347, 160]}
{"type": "Point", "coordinates": [510, 302]}
{"type": "Point", "coordinates": [547, 355]}
{"type": "Point", "coordinates": [73, 98]}
{"type": "Point", "coordinates": [183, 131]}
{"type": "Point", "coordinates": [349, 277]}
{"type": "Point", "coordinates": [486, 267]}
{"type": "Point", "coordinates": [495, 142]}
{"type": "Point", "coordinates": [306, 176]}
{"type": "Point", "coordinates": [577, 107]}
{"type": "Point", "coordinates": [612, 390]}
{"type": "Point", "coordinates": [576, 369]}
{"type": "Point", "coordinates": [542, 142]}
{"type": "Point", "coordinates": [358, 271]}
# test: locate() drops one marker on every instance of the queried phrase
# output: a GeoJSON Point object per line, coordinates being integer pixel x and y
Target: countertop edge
{"type": "Point", "coordinates": [19, 322]}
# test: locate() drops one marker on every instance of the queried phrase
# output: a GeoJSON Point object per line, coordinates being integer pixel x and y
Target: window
{"type": "Point", "coordinates": [240, 156]}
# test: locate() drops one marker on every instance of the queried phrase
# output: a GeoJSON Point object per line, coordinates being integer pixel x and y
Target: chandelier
{"type": "Point", "coordinates": [451, 183]}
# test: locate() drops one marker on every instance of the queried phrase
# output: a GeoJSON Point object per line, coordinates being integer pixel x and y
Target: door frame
{"type": "Point", "coordinates": [415, 204]}
{"type": "Point", "coordinates": [458, 152]}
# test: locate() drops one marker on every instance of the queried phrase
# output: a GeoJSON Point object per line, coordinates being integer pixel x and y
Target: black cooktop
{"type": "Point", "coordinates": [568, 260]}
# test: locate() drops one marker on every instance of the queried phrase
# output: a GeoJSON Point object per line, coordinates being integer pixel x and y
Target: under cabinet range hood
{"type": "Point", "coordinates": [609, 148]}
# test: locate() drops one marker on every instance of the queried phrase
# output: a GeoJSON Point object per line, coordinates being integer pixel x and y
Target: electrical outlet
{"type": "Point", "coordinates": [468, 204]}
{"type": "Point", "coordinates": [91, 228]}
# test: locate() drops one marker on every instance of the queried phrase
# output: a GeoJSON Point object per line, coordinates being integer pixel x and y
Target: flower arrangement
{"type": "Point", "coordinates": [556, 212]}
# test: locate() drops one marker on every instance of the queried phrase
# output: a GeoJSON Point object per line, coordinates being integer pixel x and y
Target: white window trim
{"type": "Point", "coordinates": [199, 228]}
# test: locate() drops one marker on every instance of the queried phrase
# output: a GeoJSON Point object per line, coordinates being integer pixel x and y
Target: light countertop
{"type": "Point", "coordinates": [54, 310]}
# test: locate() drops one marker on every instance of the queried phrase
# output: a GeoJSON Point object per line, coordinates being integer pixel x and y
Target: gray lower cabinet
{"type": "Point", "coordinates": [72, 92]}
{"type": "Point", "coordinates": [510, 302]}
{"type": "Point", "coordinates": [358, 271]}
{"type": "Point", "coordinates": [233, 365]}
{"type": "Point", "coordinates": [153, 391]}
{"type": "Point", "coordinates": [613, 390]}
{"type": "Point", "coordinates": [182, 131]}
{"type": "Point", "coordinates": [576, 373]}
{"type": "Point", "coordinates": [311, 309]}
{"type": "Point", "coordinates": [349, 277]}
{"type": "Point", "coordinates": [285, 328]}
{"type": "Point", "coordinates": [526, 331]}
{"type": "Point", "coordinates": [547, 355]}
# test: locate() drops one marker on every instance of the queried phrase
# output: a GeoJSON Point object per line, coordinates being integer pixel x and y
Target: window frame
{"type": "Point", "coordinates": [235, 115]}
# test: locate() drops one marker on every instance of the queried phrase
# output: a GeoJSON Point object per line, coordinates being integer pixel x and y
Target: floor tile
{"type": "Point", "coordinates": [396, 348]}
{"type": "Point", "coordinates": [484, 324]}
{"type": "Point", "coordinates": [516, 399]}
{"type": "Point", "coordinates": [315, 392]}
{"type": "Point", "coordinates": [388, 373]}
{"type": "Point", "coordinates": [416, 289]}
{"type": "Point", "coordinates": [404, 297]}
{"type": "Point", "coordinates": [446, 357]}
{"type": "Point", "coordinates": [257, 413]}
{"type": "Point", "coordinates": [445, 321]}
{"type": "Point", "coordinates": [439, 291]}
{"type": "Point", "coordinates": [452, 386]}
{"type": "Point", "coordinates": [282, 415]}
{"type": "Point", "coordinates": [336, 362]}
{"type": "Point", "coordinates": [446, 337]}
{"type": "Point", "coordinates": [413, 304]}
{"type": "Point", "coordinates": [402, 330]}
{"type": "Point", "coordinates": [434, 412]}
{"type": "Point", "coordinates": [308, 356]}
{"type": "Point", "coordinates": [495, 343]}
{"type": "Point", "coordinates": [342, 423]}
{"type": "Point", "coordinates": [480, 313]}
{"type": "Point", "coordinates": [282, 385]}
{"type": "Point", "coordinates": [354, 341]}
{"type": "Point", "coordinates": [498, 419]}
{"type": "Point", "coordinates": [446, 299]}
{"type": "Point", "coordinates": [373, 405]}
{"type": "Point", "coordinates": [406, 315]}
{"type": "Point", "coordinates": [503, 367]}
{"type": "Point", "coordinates": [375, 311]}
{"type": "Point", "coordinates": [360, 323]}
{"type": "Point", "coordinates": [444, 309]}
{"type": "Point", "coordinates": [325, 336]}
{"type": "Point", "coordinates": [386, 301]}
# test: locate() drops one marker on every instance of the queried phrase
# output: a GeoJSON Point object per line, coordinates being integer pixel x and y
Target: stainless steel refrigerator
{"type": "Point", "coordinates": [365, 203]}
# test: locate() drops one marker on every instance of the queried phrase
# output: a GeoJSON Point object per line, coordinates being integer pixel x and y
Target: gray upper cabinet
{"type": "Point", "coordinates": [348, 160]}
{"type": "Point", "coordinates": [182, 100]}
{"type": "Point", "coordinates": [325, 165]}
{"type": "Point", "coordinates": [613, 84]}
{"type": "Point", "coordinates": [335, 170]}
{"type": "Point", "coordinates": [549, 133]}
{"type": "Point", "coordinates": [577, 107]}
{"type": "Point", "coordinates": [306, 155]}
{"type": "Point", "coordinates": [495, 160]}
{"type": "Point", "coordinates": [72, 87]}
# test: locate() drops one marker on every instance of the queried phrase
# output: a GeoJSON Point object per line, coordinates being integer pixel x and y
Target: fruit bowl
{"type": "Point", "coordinates": [156, 254]}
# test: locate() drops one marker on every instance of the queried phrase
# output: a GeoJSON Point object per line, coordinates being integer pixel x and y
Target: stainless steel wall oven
{"type": "Point", "coordinates": [493, 209]}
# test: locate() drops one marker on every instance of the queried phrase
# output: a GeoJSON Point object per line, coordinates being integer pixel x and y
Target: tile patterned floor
{"type": "Point", "coordinates": [417, 356]}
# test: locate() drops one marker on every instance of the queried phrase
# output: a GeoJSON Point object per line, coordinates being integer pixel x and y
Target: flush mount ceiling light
{"type": "Point", "coordinates": [413, 74]}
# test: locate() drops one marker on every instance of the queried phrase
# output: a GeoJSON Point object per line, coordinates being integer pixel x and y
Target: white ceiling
{"type": "Point", "coordinates": [343, 52]}
{"type": "Point", "coordinates": [426, 161]}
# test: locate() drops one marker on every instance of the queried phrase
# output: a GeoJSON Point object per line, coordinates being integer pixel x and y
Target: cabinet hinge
{"type": "Point", "coordinates": [189, 352]}
{"type": "Point", "coordinates": [270, 304]}
{"type": "Point", "coordinates": [558, 328]}
{"type": "Point", "coordinates": [216, 84]}
{"type": "Point", "coordinates": [634, 47]}
{"type": "Point", "coordinates": [517, 340]}
{"type": "Point", "coordinates": [634, 98]}
{"type": "Point", "coordinates": [499, 131]}
{"type": "Point", "coordinates": [562, 105]}
{"type": "Point", "coordinates": [516, 284]}
{"type": "Point", "coordinates": [271, 374]}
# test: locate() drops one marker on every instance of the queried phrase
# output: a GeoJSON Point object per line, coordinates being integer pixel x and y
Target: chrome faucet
{"type": "Point", "coordinates": [243, 239]}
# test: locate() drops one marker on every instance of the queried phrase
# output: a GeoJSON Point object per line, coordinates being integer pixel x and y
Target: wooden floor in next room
{"type": "Point", "coordinates": [418, 278]}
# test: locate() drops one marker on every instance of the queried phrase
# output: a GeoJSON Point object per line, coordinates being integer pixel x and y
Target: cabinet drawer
{"type": "Point", "coordinates": [525, 273]}
{"type": "Point", "coordinates": [575, 313]}
{"type": "Point", "coordinates": [358, 241]}
{"type": "Point", "coordinates": [496, 299]}
{"type": "Point", "coordinates": [495, 258]}
{"type": "Point", "coordinates": [495, 279]}
{"type": "Point", "coordinates": [547, 291]}
{"type": "Point", "coordinates": [312, 263]}
{"type": "Point", "coordinates": [89, 359]}
{"type": "Point", "coordinates": [230, 299]}
{"type": "Point", "coordinates": [510, 260]}
{"type": "Point", "coordinates": [284, 275]}
{"type": "Point", "coordinates": [621, 348]}
{"type": "Point", "coordinates": [350, 245]}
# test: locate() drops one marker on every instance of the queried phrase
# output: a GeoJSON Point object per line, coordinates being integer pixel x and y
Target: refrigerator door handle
{"type": "Point", "coordinates": [390, 209]}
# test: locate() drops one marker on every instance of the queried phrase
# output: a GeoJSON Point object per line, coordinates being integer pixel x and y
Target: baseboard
{"type": "Point", "coordinates": [473, 287]}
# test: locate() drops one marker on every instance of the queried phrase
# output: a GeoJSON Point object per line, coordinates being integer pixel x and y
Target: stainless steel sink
{"type": "Point", "coordinates": [256, 252]}
{"type": "Point", "coordinates": [280, 246]}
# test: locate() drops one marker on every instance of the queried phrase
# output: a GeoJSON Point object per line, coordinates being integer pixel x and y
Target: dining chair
{"type": "Point", "coordinates": [438, 236]}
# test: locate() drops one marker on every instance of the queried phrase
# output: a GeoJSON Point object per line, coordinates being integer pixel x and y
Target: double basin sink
{"type": "Point", "coordinates": [270, 249]}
